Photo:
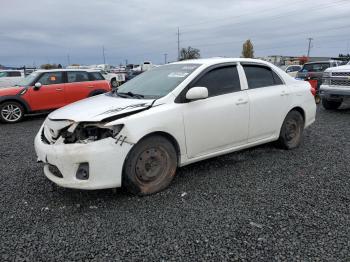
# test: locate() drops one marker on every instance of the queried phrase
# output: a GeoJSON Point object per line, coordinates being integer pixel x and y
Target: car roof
{"type": "Point", "coordinates": [10, 70]}
{"type": "Point", "coordinates": [219, 60]}
{"type": "Point", "coordinates": [66, 70]}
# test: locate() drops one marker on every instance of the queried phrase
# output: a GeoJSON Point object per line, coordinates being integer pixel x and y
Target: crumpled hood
{"type": "Point", "coordinates": [99, 107]}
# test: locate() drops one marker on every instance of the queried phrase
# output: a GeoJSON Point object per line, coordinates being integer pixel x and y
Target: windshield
{"type": "Point", "coordinates": [3, 74]}
{"type": "Point", "coordinates": [28, 80]}
{"type": "Point", "coordinates": [315, 67]}
{"type": "Point", "coordinates": [158, 81]}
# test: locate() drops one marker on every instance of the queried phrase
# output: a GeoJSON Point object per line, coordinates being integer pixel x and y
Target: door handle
{"type": "Point", "coordinates": [284, 93]}
{"type": "Point", "coordinates": [90, 86]}
{"type": "Point", "coordinates": [59, 89]}
{"type": "Point", "coordinates": [241, 101]}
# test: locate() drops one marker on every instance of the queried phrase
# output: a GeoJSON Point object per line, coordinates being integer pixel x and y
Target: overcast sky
{"type": "Point", "coordinates": [42, 31]}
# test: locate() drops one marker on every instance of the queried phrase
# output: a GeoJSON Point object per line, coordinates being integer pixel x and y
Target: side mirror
{"type": "Point", "coordinates": [196, 93]}
{"type": "Point", "coordinates": [37, 86]}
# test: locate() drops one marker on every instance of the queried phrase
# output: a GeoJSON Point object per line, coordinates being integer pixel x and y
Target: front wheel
{"type": "Point", "coordinates": [11, 112]}
{"type": "Point", "coordinates": [150, 166]}
{"type": "Point", "coordinates": [291, 131]}
{"type": "Point", "coordinates": [331, 105]}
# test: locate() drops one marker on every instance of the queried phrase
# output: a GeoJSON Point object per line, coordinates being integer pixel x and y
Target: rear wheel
{"type": "Point", "coordinates": [331, 105]}
{"type": "Point", "coordinates": [150, 166]}
{"type": "Point", "coordinates": [11, 112]}
{"type": "Point", "coordinates": [114, 83]}
{"type": "Point", "coordinates": [291, 131]}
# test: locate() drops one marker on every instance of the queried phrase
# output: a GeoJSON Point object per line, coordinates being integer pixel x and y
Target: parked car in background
{"type": "Point", "coordinates": [313, 72]}
{"type": "Point", "coordinates": [292, 70]}
{"type": "Point", "coordinates": [45, 90]}
{"type": "Point", "coordinates": [335, 88]}
{"type": "Point", "coordinates": [171, 116]}
{"type": "Point", "coordinates": [111, 77]}
{"type": "Point", "coordinates": [10, 77]}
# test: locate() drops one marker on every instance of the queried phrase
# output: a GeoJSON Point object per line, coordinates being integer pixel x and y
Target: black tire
{"type": "Point", "coordinates": [11, 112]}
{"type": "Point", "coordinates": [150, 166]}
{"type": "Point", "coordinates": [114, 83]}
{"type": "Point", "coordinates": [331, 105]}
{"type": "Point", "coordinates": [292, 130]}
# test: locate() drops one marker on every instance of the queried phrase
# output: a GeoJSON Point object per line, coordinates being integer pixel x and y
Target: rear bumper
{"type": "Point", "coordinates": [334, 93]}
{"type": "Point", "coordinates": [105, 161]}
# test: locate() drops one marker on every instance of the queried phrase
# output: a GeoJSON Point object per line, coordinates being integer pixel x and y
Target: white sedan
{"type": "Point", "coordinates": [169, 117]}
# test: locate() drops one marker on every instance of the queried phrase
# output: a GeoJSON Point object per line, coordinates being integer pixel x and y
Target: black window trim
{"type": "Point", "coordinates": [181, 98]}
{"type": "Point", "coordinates": [266, 66]}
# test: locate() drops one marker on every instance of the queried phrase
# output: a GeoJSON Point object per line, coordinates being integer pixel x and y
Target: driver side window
{"type": "Point", "coordinates": [220, 81]}
{"type": "Point", "coordinates": [51, 78]}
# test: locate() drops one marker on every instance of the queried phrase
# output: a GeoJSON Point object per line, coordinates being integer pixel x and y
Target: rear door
{"type": "Point", "coordinates": [99, 82]}
{"type": "Point", "coordinates": [78, 86]}
{"type": "Point", "coordinates": [269, 101]}
{"type": "Point", "coordinates": [51, 93]}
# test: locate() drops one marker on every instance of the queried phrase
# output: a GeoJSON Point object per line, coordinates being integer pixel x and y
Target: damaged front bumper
{"type": "Point", "coordinates": [93, 165]}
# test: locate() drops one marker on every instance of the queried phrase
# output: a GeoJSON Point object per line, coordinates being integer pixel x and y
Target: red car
{"type": "Point", "coordinates": [46, 90]}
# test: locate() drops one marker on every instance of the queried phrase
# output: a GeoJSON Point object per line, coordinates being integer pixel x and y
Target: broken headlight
{"type": "Point", "coordinates": [85, 133]}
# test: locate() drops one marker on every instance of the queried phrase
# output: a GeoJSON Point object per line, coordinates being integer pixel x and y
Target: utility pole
{"type": "Point", "coordinates": [309, 48]}
{"type": "Point", "coordinates": [103, 54]}
{"type": "Point", "coordinates": [178, 44]}
{"type": "Point", "coordinates": [126, 62]}
{"type": "Point", "coordinates": [165, 58]}
{"type": "Point", "coordinates": [68, 59]}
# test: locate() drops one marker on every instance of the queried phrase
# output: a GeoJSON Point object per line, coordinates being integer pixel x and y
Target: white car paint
{"type": "Point", "coordinates": [6, 80]}
{"type": "Point", "coordinates": [202, 129]}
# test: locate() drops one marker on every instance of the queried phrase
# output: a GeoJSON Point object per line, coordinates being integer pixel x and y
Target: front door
{"type": "Point", "coordinates": [51, 93]}
{"type": "Point", "coordinates": [220, 121]}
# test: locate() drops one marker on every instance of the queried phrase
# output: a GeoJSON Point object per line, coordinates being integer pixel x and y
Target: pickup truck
{"type": "Point", "coordinates": [335, 86]}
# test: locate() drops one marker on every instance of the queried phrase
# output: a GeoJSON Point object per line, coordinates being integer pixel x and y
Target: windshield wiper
{"type": "Point", "coordinates": [129, 94]}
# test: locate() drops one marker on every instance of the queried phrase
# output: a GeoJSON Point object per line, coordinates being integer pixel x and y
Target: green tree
{"type": "Point", "coordinates": [248, 49]}
{"type": "Point", "coordinates": [189, 53]}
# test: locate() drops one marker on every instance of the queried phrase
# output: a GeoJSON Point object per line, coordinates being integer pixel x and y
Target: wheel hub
{"type": "Point", "coordinates": [292, 130]}
{"type": "Point", "coordinates": [11, 113]}
{"type": "Point", "coordinates": [151, 164]}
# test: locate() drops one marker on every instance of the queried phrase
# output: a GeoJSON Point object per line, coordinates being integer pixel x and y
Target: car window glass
{"type": "Point", "coordinates": [259, 76]}
{"type": "Point", "coordinates": [277, 79]}
{"type": "Point", "coordinates": [315, 67]}
{"type": "Point", "coordinates": [96, 76]}
{"type": "Point", "coordinates": [14, 74]}
{"type": "Point", "coordinates": [51, 78]}
{"type": "Point", "coordinates": [220, 81]}
{"type": "Point", "coordinates": [78, 76]}
{"type": "Point", "coordinates": [3, 74]}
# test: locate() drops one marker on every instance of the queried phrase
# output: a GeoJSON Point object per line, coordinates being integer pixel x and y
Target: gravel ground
{"type": "Point", "coordinates": [261, 204]}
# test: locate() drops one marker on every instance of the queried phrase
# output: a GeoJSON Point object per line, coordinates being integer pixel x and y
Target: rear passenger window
{"type": "Point", "coordinates": [220, 81]}
{"type": "Point", "coordinates": [261, 76]}
{"type": "Point", "coordinates": [96, 76]}
{"type": "Point", "coordinates": [14, 74]}
{"type": "Point", "coordinates": [79, 76]}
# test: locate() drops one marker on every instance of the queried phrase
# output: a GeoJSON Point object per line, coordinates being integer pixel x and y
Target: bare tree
{"type": "Point", "coordinates": [189, 53]}
{"type": "Point", "coordinates": [248, 49]}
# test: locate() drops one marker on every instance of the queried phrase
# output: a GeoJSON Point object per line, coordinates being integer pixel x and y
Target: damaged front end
{"type": "Point", "coordinates": [82, 155]}
{"type": "Point", "coordinates": [68, 132]}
